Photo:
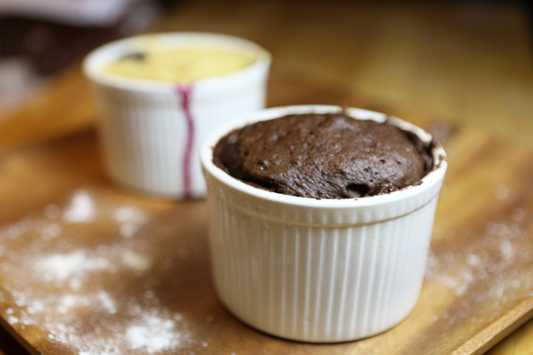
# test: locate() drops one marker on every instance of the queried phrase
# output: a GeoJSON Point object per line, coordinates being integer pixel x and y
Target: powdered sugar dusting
{"type": "Point", "coordinates": [147, 328]}
{"type": "Point", "coordinates": [135, 260]}
{"type": "Point", "coordinates": [59, 267]}
{"type": "Point", "coordinates": [52, 211]}
{"type": "Point", "coordinates": [152, 333]}
{"type": "Point", "coordinates": [479, 267]}
{"type": "Point", "coordinates": [51, 231]}
{"type": "Point", "coordinates": [107, 302]}
{"type": "Point", "coordinates": [501, 192]}
{"type": "Point", "coordinates": [71, 272]}
{"type": "Point", "coordinates": [130, 219]}
{"type": "Point", "coordinates": [81, 209]}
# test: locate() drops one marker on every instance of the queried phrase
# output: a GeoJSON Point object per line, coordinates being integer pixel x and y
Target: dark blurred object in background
{"type": "Point", "coordinates": [40, 37]}
{"type": "Point", "coordinates": [50, 34]}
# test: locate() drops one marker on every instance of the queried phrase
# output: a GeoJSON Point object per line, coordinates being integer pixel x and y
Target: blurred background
{"type": "Point", "coordinates": [454, 61]}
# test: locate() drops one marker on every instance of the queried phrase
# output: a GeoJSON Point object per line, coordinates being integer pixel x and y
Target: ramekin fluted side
{"type": "Point", "coordinates": [318, 283]}
{"type": "Point", "coordinates": [144, 136]}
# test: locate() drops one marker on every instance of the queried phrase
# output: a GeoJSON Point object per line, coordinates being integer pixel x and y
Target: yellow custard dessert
{"type": "Point", "coordinates": [179, 65]}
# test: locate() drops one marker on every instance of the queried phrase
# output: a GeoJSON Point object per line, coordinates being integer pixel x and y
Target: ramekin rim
{"type": "Point", "coordinates": [94, 73]}
{"type": "Point", "coordinates": [429, 180]}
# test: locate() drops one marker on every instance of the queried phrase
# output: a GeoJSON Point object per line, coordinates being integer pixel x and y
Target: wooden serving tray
{"type": "Point", "coordinates": [88, 268]}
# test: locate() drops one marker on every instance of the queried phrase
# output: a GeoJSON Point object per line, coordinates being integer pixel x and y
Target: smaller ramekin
{"type": "Point", "coordinates": [151, 131]}
{"type": "Point", "coordinates": [319, 270]}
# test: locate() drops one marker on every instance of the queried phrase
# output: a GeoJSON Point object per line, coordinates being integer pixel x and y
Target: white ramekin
{"type": "Point", "coordinates": [149, 142]}
{"type": "Point", "coordinates": [319, 270]}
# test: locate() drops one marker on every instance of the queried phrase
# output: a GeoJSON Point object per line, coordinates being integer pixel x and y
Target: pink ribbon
{"type": "Point", "coordinates": [185, 93]}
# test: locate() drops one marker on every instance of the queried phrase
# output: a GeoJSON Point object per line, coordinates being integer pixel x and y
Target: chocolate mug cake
{"type": "Point", "coordinates": [320, 219]}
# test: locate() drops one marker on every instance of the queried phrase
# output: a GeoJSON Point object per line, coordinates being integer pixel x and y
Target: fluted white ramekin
{"type": "Point", "coordinates": [149, 141]}
{"type": "Point", "coordinates": [319, 270]}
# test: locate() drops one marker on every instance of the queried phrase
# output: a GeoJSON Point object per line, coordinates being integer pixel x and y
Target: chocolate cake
{"type": "Point", "coordinates": [325, 156]}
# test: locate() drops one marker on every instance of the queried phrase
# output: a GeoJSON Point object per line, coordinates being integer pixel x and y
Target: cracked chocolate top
{"type": "Point", "coordinates": [325, 156]}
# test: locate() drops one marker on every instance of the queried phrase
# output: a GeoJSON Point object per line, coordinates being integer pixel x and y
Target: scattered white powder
{"type": "Point", "coordinates": [501, 192]}
{"type": "Point", "coordinates": [55, 295]}
{"type": "Point", "coordinates": [472, 259]}
{"type": "Point", "coordinates": [129, 214]}
{"type": "Point", "coordinates": [130, 219]}
{"type": "Point", "coordinates": [502, 229]}
{"type": "Point", "coordinates": [484, 261]}
{"type": "Point", "coordinates": [515, 283]}
{"type": "Point", "coordinates": [35, 307]}
{"type": "Point", "coordinates": [51, 231]}
{"type": "Point", "coordinates": [71, 301]}
{"type": "Point", "coordinates": [75, 284]}
{"type": "Point", "coordinates": [153, 334]}
{"type": "Point", "coordinates": [516, 232]}
{"type": "Point", "coordinates": [128, 229]}
{"type": "Point", "coordinates": [490, 228]}
{"type": "Point", "coordinates": [506, 249]}
{"type": "Point", "coordinates": [16, 230]}
{"type": "Point", "coordinates": [62, 266]}
{"type": "Point", "coordinates": [81, 209]}
{"type": "Point", "coordinates": [481, 274]}
{"type": "Point", "coordinates": [135, 260]}
{"type": "Point", "coordinates": [147, 328]}
{"type": "Point", "coordinates": [52, 211]}
{"type": "Point", "coordinates": [107, 302]}
{"type": "Point", "coordinates": [12, 319]}
{"type": "Point", "coordinates": [463, 282]}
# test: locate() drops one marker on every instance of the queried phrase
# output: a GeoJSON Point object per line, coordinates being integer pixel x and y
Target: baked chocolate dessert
{"type": "Point", "coordinates": [326, 156]}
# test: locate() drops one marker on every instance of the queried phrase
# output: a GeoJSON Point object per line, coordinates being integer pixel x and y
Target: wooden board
{"type": "Point", "coordinates": [89, 268]}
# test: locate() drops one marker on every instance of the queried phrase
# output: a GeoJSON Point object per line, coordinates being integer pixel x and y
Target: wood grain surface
{"type": "Point", "coordinates": [465, 65]}
{"type": "Point", "coordinates": [134, 262]}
